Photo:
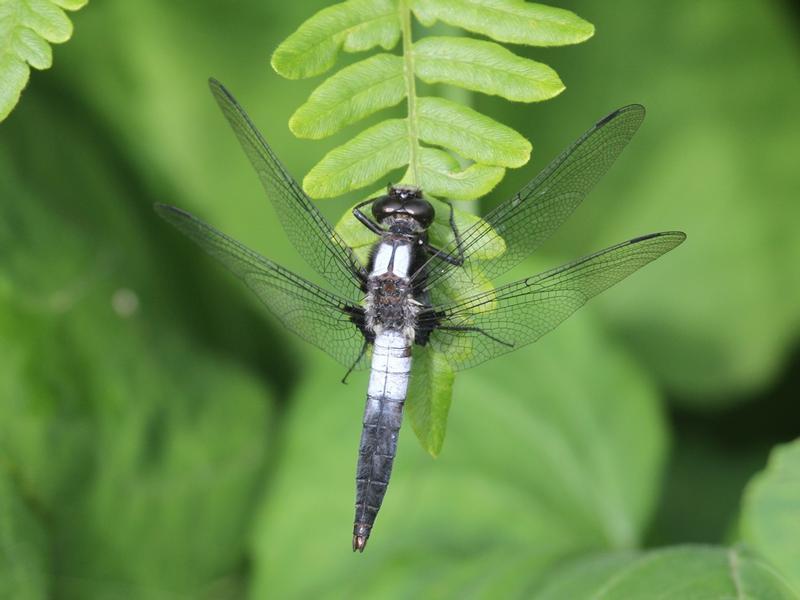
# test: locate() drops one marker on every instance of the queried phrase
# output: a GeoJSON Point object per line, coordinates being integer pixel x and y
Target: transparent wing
{"type": "Point", "coordinates": [504, 319]}
{"type": "Point", "coordinates": [326, 320]}
{"type": "Point", "coordinates": [525, 221]}
{"type": "Point", "coordinates": [308, 230]}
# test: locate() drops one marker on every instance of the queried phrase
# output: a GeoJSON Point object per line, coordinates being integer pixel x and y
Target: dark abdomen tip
{"type": "Point", "coordinates": [360, 536]}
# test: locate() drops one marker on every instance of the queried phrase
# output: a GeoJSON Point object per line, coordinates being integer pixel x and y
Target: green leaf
{"type": "Point", "coordinates": [24, 569]}
{"type": "Point", "coordinates": [552, 449]}
{"type": "Point", "coordinates": [470, 134]}
{"type": "Point", "coordinates": [672, 573]}
{"type": "Point", "coordinates": [26, 27]}
{"type": "Point", "coordinates": [484, 67]}
{"type": "Point", "coordinates": [355, 24]}
{"type": "Point", "coordinates": [363, 160]}
{"type": "Point", "coordinates": [350, 95]}
{"type": "Point", "coordinates": [441, 175]}
{"type": "Point", "coordinates": [512, 21]}
{"type": "Point", "coordinates": [770, 521]}
{"type": "Point", "coordinates": [429, 395]}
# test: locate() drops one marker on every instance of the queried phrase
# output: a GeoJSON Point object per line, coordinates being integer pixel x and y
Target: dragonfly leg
{"type": "Point", "coordinates": [456, 233]}
{"type": "Point", "coordinates": [457, 259]}
{"type": "Point", "coordinates": [357, 360]}
{"type": "Point", "coordinates": [364, 219]}
{"type": "Point", "coordinates": [476, 330]}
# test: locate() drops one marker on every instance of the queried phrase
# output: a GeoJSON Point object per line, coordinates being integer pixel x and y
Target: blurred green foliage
{"type": "Point", "coordinates": [161, 438]}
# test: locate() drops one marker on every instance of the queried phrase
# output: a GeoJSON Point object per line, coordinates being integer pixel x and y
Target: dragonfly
{"type": "Point", "coordinates": [403, 296]}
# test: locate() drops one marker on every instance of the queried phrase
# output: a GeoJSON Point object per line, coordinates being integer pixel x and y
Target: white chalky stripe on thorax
{"type": "Point", "coordinates": [402, 259]}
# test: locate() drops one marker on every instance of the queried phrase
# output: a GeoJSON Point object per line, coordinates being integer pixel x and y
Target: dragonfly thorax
{"type": "Point", "coordinates": [403, 206]}
{"type": "Point", "coordinates": [390, 303]}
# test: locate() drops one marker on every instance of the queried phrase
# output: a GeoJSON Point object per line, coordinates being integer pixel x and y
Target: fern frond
{"type": "Point", "coordinates": [372, 154]}
{"type": "Point", "coordinates": [350, 95]}
{"type": "Point", "coordinates": [441, 175]}
{"type": "Point", "coordinates": [510, 21]}
{"type": "Point", "coordinates": [450, 150]}
{"type": "Point", "coordinates": [384, 80]}
{"type": "Point", "coordinates": [357, 25]}
{"type": "Point", "coordinates": [359, 162]}
{"type": "Point", "coordinates": [484, 67]}
{"type": "Point", "coordinates": [470, 134]}
{"type": "Point", "coordinates": [27, 28]}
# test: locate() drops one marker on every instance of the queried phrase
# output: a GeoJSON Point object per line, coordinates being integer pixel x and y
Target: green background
{"type": "Point", "coordinates": [162, 437]}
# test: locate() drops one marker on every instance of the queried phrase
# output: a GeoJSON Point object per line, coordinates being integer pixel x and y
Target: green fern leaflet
{"type": "Point", "coordinates": [27, 28]}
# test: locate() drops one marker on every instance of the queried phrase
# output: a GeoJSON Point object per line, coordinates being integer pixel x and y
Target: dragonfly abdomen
{"type": "Point", "coordinates": [383, 415]}
{"type": "Point", "coordinates": [390, 313]}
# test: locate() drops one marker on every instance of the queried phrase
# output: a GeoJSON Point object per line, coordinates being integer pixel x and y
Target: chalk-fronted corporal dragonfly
{"type": "Point", "coordinates": [402, 296]}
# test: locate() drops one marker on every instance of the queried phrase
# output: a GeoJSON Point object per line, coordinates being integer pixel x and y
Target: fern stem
{"type": "Point", "coordinates": [411, 91]}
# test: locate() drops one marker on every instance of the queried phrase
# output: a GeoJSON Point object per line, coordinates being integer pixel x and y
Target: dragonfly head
{"type": "Point", "coordinates": [403, 202]}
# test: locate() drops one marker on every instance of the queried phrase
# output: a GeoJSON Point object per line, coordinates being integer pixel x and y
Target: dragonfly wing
{"type": "Point", "coordinates": [326, 320]}
{"type": "Point", "coordinates": [306, 227]}
{"type": "Point", "coordinates": [525, 221]}
{"type": "Point", "coordinates": [508, 317]}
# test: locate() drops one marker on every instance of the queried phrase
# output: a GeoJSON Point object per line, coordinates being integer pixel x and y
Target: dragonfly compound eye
{"type": "Point", "coordinates": [385, 207]}
{"type": "Point", "coordinates": [421, 210]}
